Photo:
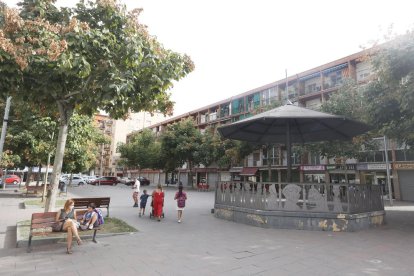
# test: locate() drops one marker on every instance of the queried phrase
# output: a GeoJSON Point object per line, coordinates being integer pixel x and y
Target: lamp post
{"type": "Point", "coordinates": [3, 135]}
{"type": "Point", "coordinates": [387, 164]}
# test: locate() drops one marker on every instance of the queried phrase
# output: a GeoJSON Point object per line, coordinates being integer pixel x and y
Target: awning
{"type": "Point", "coordinates": [248, 171]}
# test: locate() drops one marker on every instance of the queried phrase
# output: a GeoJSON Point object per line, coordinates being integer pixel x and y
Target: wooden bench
{"type": "Point", "coordinates": [35, 189]}
{"type": "Point", "coordinates": [100, 202]}
{"type": "Point", "coordinates": [41, 225]}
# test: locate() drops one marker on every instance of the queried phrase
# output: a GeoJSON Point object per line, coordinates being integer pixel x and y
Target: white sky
{"type": "Point", "coordinates": [239, 45]}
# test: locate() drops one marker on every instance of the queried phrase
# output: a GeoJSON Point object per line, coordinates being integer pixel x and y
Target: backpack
{"type": "Point", "coordinates": [181, 201]}
{"type": "Point", "coordinates": [100, 217]}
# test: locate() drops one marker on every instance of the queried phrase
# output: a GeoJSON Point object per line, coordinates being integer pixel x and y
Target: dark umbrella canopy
{"type": "Point", "coordinates": [305, 126]}
{"type": "Point", "coordinates": [292, 124]}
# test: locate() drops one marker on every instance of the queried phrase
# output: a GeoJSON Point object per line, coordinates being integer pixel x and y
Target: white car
{"type": "Point", "coordinates": [76, 181]}
{"type": "Point", "coordinates": [90, 178]}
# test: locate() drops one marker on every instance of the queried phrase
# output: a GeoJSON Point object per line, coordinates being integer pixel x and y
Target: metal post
{"type": "Point", "coordinates": [3, 135]}
{"type": "Point", "coordinates": [387, 163]}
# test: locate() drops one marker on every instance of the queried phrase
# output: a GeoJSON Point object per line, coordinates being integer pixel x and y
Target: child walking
{"type": "Point", "coordinates": [181, 197]}
{"type": "Point", "coordinates": [143, 202]}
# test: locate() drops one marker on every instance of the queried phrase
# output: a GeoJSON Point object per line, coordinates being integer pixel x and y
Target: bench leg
{"type": "Point", "coordinates": [94, 236]}
{"type": "Point", "coordinates": [29, 245]}
{"type": "Point", "coordinates": [107, 212]}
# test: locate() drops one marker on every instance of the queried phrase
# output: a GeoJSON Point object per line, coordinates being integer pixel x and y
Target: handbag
{"type": "Point", "coordinates": [57, 226]}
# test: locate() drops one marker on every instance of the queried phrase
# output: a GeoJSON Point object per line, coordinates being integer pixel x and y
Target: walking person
{"type": "Point", "coordinates": [158, 202]}
{"type": "Point", "coordinates": [143, 202]}
{"type": "Point", "coordinates": [135, 194]}
{"type": "Point", "coordinates": [181, 197]}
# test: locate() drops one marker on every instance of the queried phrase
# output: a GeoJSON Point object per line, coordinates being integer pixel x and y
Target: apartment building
{"type": "Point", "coordinates": [107, 163]}
{"type": "Point", "coordinates": [308, 89]}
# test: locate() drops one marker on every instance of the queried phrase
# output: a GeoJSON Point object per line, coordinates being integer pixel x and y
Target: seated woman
{"type": "Point", "coordinates": [90, 218]}
{"type": "Point", "coordinates": [66, 221]}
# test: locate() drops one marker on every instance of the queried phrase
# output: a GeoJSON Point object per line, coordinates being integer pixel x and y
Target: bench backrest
{"type": "Point", "coordinates": [42, 220]}
{"type": "Point", "coordinates": [81, 203]}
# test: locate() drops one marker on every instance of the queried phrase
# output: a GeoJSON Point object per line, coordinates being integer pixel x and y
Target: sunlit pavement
{"type": "Point", "coordinates": [204, 245]}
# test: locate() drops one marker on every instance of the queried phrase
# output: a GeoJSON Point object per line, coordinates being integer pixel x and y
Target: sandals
{"type": "Point", "coordinates": [79, 241]}
{"type": "Point", "coordinates": [68, 250]}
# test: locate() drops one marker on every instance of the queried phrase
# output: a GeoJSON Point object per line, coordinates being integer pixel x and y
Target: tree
{"type": "Point", "coordinates": [180, 144]}
{"type": "Point", "coordinates": [390, 96]}
{"type": "Point", "coordinates": [82, 146]}
{"type": "Point", "coordinates": [94, 56]}
{"type": "Point", "coordinates": [224, 152]}
{"type": "Point", "coordinates": [144, 151]}
{"type": "Point", "coordinates": [349, 101]}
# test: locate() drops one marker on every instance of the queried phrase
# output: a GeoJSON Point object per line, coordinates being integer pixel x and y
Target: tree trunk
{"type": "Point", "coordinates": [65, 113]}
{"type": "Point", "coordinates": [190, 173]}
{"type": "Point", "coordinates": [39, 174]}
{"type": "Point", "coordinates": [29, 175]}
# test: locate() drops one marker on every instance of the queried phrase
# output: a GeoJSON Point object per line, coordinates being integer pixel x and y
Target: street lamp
{"type": "Point", "coordinates": [387, 164]}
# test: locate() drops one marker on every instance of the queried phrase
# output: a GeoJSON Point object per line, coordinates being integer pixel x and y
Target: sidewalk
{"type": "Point", "coordinates": [205, 245]}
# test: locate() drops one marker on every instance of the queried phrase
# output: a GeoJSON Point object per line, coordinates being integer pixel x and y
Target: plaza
{"type": "Point", "coordinates": [205, 245]}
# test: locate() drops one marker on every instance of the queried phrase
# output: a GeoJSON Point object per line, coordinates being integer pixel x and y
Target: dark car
{"type": "Point", "coordinates": [143, 180]}
{"type": "Point", "coordinates": [105, 180]}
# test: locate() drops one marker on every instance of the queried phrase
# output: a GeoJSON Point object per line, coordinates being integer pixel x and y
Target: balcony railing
{"type": "Point", "coordinates": [304, 197]}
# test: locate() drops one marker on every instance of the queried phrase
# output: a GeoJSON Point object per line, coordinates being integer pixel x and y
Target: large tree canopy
{"type": "Point", "coordinates": [390, 97]}
{"type": "Point", "coordinates": [94, 56]}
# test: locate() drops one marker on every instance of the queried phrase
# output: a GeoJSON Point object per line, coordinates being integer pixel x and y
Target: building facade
{"type": "Point", "coordinates": [107, 163]}
{"type": "Point", "coordinates": [308, 89]}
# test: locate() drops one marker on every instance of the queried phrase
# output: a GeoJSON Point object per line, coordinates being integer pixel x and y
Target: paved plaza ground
{"type": "Point", "coordinates": [205, 245]}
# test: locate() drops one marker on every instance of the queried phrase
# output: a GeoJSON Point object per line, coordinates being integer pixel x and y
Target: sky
{"type": "Point", "coordinates": [239, 45]}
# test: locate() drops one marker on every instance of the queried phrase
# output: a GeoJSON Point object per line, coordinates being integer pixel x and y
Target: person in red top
{"type": "Point", "coordinates": [157, 201]}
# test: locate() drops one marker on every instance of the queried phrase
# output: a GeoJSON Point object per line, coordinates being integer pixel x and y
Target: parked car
{"type": "Point", "coordinates": [76, 181]}
{"type": "Point", "coordinates": [105, 180]}
{"type": "Point", "coordinates": [143, 180]}
{"type": "Point", "coordinates": [12, 179]}
{"type": "Point", "coordinates": [127, 181]}
{"type": "Point", "coordinates": [90, 178]}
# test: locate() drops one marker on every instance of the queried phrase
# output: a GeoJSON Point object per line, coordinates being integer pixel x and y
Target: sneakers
{"type": "Point", "coordinates": [179, 221]}
{"type": "Point", "coordinates": [90, 226]}
{"type": "Point", "coordinates": [135, 205]}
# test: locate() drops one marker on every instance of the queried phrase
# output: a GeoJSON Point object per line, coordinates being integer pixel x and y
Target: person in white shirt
{"type": "Point", "coordinates": [136, 192]}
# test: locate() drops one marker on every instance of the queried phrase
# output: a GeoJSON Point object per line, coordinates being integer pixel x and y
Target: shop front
{"type": "Point", "coordinates": [375, 174]}
{"type": "Point", "coordinates": [405, 172]}
{"type": "Point", "coordinates": [312, 174]}
{"type": "Point", "coordinates": [345, 173]}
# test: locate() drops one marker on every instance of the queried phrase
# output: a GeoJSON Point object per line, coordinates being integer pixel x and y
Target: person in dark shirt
{"type": "Point", "coordinates": [143, 202]}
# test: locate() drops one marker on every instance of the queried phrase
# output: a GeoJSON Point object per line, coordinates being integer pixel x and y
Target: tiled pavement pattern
{"type": "Point", "coordinates": [204, 245]}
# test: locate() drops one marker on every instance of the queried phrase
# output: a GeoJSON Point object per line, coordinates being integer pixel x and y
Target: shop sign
{"type": "Point", "coordinates": [312, 168]}
{"type": "Point", "coordinates": [404, 166]}
{"type": "Point", "coordinates": [349, 167]}
{"type": "Point", "coordinates": [373, 166]}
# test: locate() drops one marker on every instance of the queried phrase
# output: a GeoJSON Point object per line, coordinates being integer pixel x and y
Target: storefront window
{"type": "Point", "coordinates": [315, 178]}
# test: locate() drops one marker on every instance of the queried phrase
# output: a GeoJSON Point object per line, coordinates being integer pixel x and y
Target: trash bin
{"type": "Point", "coordinates": [62, 187]}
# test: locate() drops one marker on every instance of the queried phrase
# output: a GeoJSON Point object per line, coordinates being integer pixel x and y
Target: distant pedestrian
{"type": "Point", "coordinates": [158, 202]}
{"type": "Point", "coordinates": [181, 197]}
{"type": "Point", "coordinates": [143, 202]}
{"type": "Point", "coordinates": [135, 194]}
